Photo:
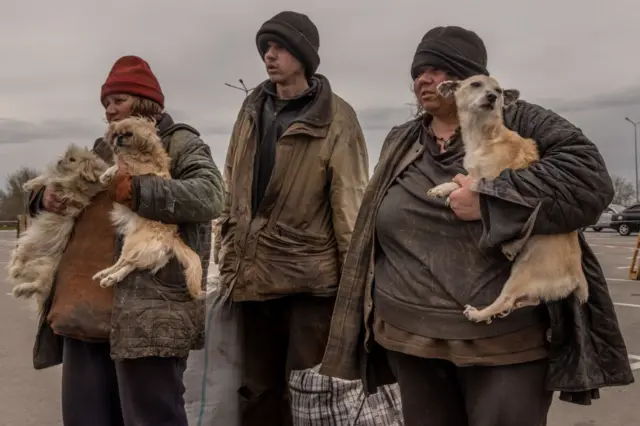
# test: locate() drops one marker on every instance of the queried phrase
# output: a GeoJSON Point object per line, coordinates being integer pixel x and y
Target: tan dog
{"type": "Point", "coordinates": [549, 267]}
{"type": "Point", "coordinates": [75, 181]}
{"type": "Point", "coordinates": [147, 244]}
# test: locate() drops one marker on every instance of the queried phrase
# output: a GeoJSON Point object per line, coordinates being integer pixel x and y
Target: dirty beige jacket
{"type": "Point", "coordinates": [298, 239]}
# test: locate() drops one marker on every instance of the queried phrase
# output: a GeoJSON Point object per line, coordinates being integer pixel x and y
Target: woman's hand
{"type": "Point", "coordinates": [120, 187]}
{"type": "Point", "coordinates": [52, 203]}
{"type": "Point", "coordinates": [464, 202]}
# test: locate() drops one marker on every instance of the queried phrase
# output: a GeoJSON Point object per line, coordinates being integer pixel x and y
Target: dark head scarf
{"type": "Point", "coordinates": [455, 50]}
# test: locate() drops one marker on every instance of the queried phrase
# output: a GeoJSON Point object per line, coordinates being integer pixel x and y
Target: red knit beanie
{"type": "Point", "coordinates": [133, 76]}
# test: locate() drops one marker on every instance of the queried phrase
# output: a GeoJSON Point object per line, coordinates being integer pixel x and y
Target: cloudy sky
{"type": "Point", "coordinates": [580, 58]}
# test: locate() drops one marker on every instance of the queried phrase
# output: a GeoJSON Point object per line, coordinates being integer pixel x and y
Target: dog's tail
{"type": "Point", "coordinates": [192, 267]}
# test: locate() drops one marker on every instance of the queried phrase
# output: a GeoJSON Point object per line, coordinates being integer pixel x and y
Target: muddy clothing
{"type": "Point", "coordinates": [437, 393]}
{"type": "Point", "coordinates": [279, 336]}
{"type": "Point", "coordinates": [429, 265]}
{"type": "Point", "coordinates": [420, 293]}
{"type": "Point", "coordinates": [154, 315]}
{"type": "Point", "coordinates": [276, 117]}
{"type": "Point", "coordinates": [98, 391]}
{"type": "Point", "coordinates": [565, 190]}
{"type": "Point", "coordinates": [297, 239]}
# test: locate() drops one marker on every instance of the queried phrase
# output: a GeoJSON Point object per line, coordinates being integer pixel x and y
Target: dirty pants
{"type": "Point", "coordinates": [96, 391]}
{"type": "Point", "coordinates": [279, 336]}
{"type": "Point", "coordinates": [437, 393]}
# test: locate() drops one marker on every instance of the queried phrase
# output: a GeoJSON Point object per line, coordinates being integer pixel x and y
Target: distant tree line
{"type": "Point", "coordinates": [13, 199]}
{"type": "Point", "coordinates": [625, 191]}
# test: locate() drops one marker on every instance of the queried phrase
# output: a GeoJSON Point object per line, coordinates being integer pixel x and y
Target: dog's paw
{"type": "Point", "coordinates": [442, 190]}
{"type": "Point", "coordinates": [475, 315]}
{"type": "Point", "coordinates": [23, 291]}
{"type": "Point", "coordinates": [104, 178]}
{"type": "Point", "coordinates": [108, 281]}
{"type": "Point", "coordinates": [99, 275]}
{"type": "Point", "coordinates": [14, 270]}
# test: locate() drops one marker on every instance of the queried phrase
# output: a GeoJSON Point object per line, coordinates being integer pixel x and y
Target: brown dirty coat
{"type": "Point", "coordinates": [564, 191]}
{"type": "Point", "coordinates": [297, 241]}
{"type": "Point", "coordinates": [154, 315]}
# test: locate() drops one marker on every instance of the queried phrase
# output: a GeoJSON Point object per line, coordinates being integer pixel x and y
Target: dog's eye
{"type": "Point", "coordinates": [499, 91]}
{"type": "Point", "coordinates": [476, 84]}
{"type": "Point", "coordinates": [72, 159]}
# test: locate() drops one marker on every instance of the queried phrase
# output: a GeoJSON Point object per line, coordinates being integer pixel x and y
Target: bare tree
{"type": "Point", "coordinates": [243, 88]}
{"type": "Point", "coordinates": [624, 191]}
{"type": "Point", "coordinates": [13, 199]}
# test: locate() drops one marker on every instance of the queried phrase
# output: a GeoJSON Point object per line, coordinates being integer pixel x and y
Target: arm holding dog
{"type": "Point", "coordinates": [195, 194]}
{"type": "Point", "coordinates": [565, 190]}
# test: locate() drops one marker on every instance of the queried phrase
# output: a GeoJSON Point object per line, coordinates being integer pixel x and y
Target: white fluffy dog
{"type": "Point", "coordinates": [75, 181]}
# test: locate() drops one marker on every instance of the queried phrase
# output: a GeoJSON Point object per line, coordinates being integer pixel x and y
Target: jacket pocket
{"type": "Point", "coordinates": [300, 237]}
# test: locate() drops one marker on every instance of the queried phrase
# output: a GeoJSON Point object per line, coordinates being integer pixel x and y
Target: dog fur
{"type": "Point", "coordinates": [549, 267]}
{"type": "Point", "coordinates": [74, 178]}
{"type": "Point", "coordinates": [147, 244]}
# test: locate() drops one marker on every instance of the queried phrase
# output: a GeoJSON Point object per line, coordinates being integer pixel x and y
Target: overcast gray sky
{"type": "Point", "coordinates": [576, 57]}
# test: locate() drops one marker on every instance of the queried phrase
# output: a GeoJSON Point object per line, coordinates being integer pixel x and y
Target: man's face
{"type": "Point", "coordinates": [280, 64]}
{"type": "Point", "coordinates": [117, 106]}
{"type": "Point", "coordinates": [425, 89]}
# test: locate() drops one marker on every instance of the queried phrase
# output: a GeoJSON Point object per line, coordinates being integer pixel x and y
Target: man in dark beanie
{"type": "Point", "coordinates": [415, 261]}
{"type": "Point", "coordinates": [294, 32]}
{"type": "Point", "coordinates": [296, 171]}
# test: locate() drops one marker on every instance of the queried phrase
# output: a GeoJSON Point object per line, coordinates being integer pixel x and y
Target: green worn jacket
{"type": "Point", "coordinates": [154, 315]}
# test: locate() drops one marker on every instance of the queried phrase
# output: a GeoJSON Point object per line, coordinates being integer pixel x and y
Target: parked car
{"type": "Point", "coordinates": [604, 221]}
{"type": "Point", "coordinates": [627, 221]}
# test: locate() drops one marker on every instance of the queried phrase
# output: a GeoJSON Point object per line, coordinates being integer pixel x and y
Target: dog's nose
{"type": "Point", "coordinates": [491, 97]}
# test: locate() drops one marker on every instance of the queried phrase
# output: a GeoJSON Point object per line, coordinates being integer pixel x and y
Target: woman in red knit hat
{"type": "Point", "coordinates": [123, 350]}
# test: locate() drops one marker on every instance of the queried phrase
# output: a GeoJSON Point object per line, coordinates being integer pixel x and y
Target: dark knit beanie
{"type": "Point", "coordinates": [452, 49]}
{"type": "Point", "coordinates": [132, 75]}
{"type": "Point", "coordinates": [295, 32]}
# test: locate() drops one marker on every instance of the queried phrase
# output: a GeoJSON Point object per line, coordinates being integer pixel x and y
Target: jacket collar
{"type": "Point", "coordinates": [314, 119]}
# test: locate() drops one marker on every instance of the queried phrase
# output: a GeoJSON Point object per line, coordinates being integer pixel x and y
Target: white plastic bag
{"type": "Point", "coordinates": [213, 374]}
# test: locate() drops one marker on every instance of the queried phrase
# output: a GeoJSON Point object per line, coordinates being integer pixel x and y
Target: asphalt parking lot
{"type": "Point", "coordinates": [30, 398]}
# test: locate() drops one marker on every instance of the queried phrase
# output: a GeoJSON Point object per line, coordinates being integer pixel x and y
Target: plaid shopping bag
{"type": "Point", "coordinates": [318, 400]}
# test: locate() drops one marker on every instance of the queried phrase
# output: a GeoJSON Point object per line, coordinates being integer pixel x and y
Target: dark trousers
{"type": "Point", "coordinates": [437, 393]}
{"type": "Point", "coordinates": [279, 336]}
{"type": "Point", "coordinates": [96, 391]}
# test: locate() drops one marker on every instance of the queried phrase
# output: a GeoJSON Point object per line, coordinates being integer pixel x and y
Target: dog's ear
{"type": "Point", "coordinates": [511, 96]}
{"type": "Point", "coordinates": [447, 88]}
{"type": "Point", "coordinates": [89, 171]}
{"type": "Point", "coordinates": [108, 134]}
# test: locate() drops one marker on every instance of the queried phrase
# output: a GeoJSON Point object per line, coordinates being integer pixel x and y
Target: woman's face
{"type": "Point", "coordinates": [425, 88]}
{"type": "Point", "coordinates": [117, 106]}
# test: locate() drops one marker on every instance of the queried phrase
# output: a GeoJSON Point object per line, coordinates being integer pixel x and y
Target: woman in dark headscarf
{"type": "Point", "coordinates": [414, 262]}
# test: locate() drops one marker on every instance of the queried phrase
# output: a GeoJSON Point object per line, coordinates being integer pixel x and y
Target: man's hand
{"type": "Point", "coordinates": [463, 201]}
{"type": "Point", "coordinates": [120, 187]}
{"type": "Point", "coordinates": [52, 203]}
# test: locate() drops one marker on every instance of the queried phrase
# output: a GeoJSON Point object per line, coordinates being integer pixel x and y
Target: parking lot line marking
{"type": "Point", "coordinates": [623, 267]}
{"type": "Point", "coordinates": [635, 357]}
{"type": "Point", "coordinates": [628, 305]}
{"type": "Point", "coordinates": [635, 366]}
{"type": "Point", "coordinates": [619, 279]}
